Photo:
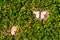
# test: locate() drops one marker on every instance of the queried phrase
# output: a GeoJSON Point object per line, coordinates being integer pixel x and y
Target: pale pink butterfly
{"type": "Point", "coordinates": [40, 14]}
{"type": "Point", "coordinates": [13, 30]}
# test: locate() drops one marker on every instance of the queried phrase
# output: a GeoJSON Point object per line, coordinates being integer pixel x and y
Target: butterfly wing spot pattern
{"type": "Point", "coordinates": [42, 14]}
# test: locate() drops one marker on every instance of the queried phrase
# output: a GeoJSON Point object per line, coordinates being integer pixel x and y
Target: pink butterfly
{"type": "Point", "coordinates": [13, 30]}
{"type": "Point", "coordinates": [40, 14]}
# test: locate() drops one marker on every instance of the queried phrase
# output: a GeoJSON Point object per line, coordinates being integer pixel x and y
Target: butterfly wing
{"type": "Point", "coordinates": [42, 16]}
{"type": "Point", "coordinates": [43, 13]}
{"type": "Point", "coordinates": [36, 13]}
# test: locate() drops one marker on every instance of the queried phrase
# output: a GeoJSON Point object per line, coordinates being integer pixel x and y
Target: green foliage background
{"type": "Point", "coordinates": [19, 12]}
